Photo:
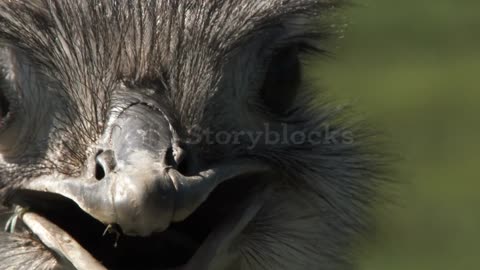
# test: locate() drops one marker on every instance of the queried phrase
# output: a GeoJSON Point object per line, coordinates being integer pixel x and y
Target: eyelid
{"type": "Point", "coordinates": [303, 47]}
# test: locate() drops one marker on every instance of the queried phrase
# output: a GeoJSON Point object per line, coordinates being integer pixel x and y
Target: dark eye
{"type": "Point", "coordinates": [4, 104]}
{"type": "Point", "coordinates": [282, 80]}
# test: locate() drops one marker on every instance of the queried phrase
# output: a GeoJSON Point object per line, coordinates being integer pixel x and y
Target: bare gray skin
{"type": "Point", "coordinates": [102, 166]}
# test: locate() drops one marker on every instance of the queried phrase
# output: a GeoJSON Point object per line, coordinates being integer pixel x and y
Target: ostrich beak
{"type": "Point", "coordinates": [141, 191]}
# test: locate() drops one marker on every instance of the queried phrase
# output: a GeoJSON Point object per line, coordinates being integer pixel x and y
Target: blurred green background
{"type": "Point", "coordinates": [414, 68]}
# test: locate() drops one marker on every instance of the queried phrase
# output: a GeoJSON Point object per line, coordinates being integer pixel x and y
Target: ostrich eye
{"type": "Point", "coordinates": [4, 104]}
{"type": "Point", "coordinates": [282, 79]}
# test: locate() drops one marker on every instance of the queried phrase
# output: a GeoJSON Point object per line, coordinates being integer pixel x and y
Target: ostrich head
{"type": "Point", "coordinates": [184, 130]}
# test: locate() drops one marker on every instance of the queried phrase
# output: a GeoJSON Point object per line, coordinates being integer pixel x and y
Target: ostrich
{"type": "Point", "coordinates": [148, 134]}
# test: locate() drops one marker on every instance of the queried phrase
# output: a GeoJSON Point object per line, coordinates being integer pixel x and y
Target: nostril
{"type": "Point", "coordinates": [99, 171]}
{"type": "Point", "coordinates": [104, 163]}
{"type": "Point", "coordinates": [179, 159]}
{"type": "Point", "coordinates": [183, 166]}
{"type": "Point", "coordinates": [185, 160]}
{"type": "Point", "coordinates": [178, 154]}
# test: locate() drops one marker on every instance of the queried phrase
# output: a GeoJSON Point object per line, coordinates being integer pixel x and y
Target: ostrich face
{"type": "Point", "coordinates": [180, 128]}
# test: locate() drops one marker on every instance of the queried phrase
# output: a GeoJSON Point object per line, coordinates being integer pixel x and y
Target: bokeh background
{"type": "Point", "coordinates": [413, 68]}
